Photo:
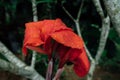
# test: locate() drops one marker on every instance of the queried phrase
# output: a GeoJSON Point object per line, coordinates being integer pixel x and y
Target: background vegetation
{"type": "Point", "coordinates": [15, 13]}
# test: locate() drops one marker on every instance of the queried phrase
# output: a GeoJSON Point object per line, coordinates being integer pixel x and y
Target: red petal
{"type": "Point", "coordinates": [74, 53]}
{"type": "Point", "coordinates": [51, 26]}
{"type": "Point", "coordinates": [48, 46]}
{"type": "Point", "coordinates": [32, 35]}
{"type": "Point", "coordinates": [63, 53]}
{"type": "Point", "coordinates": [67, 54]}
{"type": "Point", "coordinates": [24, 50]}
{"type": "Point", "coordinates": [81, 64]}
{"type": "Point", "coordinates": [68, 38]}
{"type": "Point", "coordinates": [38, 49]}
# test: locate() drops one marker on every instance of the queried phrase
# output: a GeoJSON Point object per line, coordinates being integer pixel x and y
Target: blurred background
{"type": "Point", "coordinates": [15, 13]}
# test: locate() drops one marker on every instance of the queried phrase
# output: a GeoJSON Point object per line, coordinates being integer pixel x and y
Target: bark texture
{"type": "Point", "coordinates": [103, 38]}
{"type": "Point", "coordinates": [16, 66]}
{"type": "Point", "coordinates": [113, 9]}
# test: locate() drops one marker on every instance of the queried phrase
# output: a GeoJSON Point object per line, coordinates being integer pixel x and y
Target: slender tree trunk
{"type": "Point", "coordinates": [113, 9]}
{"type": "Point", "coordinates": [103, 38]}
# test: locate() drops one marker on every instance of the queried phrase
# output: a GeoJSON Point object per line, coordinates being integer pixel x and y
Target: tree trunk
{"type": "Point", "coordinates": [113, 9]}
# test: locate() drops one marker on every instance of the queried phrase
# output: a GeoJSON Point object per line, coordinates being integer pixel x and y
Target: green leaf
{"type": "Point", "coordinates": [114, 36]}
{"type": "Point", "coordinates": [46, 1]}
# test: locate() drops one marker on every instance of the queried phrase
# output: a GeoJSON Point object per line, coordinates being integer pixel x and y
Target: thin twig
{"type": "Point", "coordinates": [80, 9]}
{"type": "Point", "coordinates": [33, 59]}
{"type": "Point", "coordinates": [77, 20]}
{"type": "Point", "coordinates": [89, 54]}
{"type": "Point", "coordinates": [68, 14]}
{"type": "Point", "coordinates": [79, 33]}
{"type": "Point", "coordinates": [79, 30]}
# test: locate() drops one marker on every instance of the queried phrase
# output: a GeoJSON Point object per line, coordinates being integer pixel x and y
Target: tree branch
{"type": "Point", "coordinates": [4, 65]}
{"type": "Point", "coordinates": [68, 13]}
{"type": "Point", "coordinates": [77, 19]}
{"type": "Point", "coordinates": [79, 33]}
{"type": "Point", "coordinates": [26, 72]}
{"type": "Point", "coordinates": [10, 56]}
{"type": "Point", "coordinates": [99, 8]}
{"type": "Point", "coordinates": [80, 9]}
{"type": "Point", "coordinates": [33, 61]}
{"type": "Point", "coordinates": [7, 66]}
{"type": "Point", "coordinates": [16, 65]}
{"type": "Point", "coordinates": [103, 37]}
{"type": "Point", "coordinates": [104, 31]}
{"type": "Point", "coordinates": [34, 9]}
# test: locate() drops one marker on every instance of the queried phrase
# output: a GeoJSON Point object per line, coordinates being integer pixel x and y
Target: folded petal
{"type": "Point", "coordinates": [81, 64]}
{"type": "Point", "coordinates": [63, 54]}
{"type": "Point", "coordinates": [32, 36]}
{"type": "Point", "coordinates": [48, 46]}
{"type": "Point", "coordinates": [74, 53]}
{"type": "Point", "coordinates": [51, 26]}
{"type": "Point", "coordinates": [68, 38]}
{"type": "Point", "coordinates": [38, 49]}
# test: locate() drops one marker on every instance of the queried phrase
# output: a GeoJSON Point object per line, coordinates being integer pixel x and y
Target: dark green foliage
{"type": "Point", "coordinates": [41, 64]}
{"type": "Point", "coordinates": [2, 57]}
{"type": "Point", "coordinates": [110, 60]}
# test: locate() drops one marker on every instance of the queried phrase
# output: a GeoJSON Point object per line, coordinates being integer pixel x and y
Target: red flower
{"type": "Point", "coordinates": [49, 36]}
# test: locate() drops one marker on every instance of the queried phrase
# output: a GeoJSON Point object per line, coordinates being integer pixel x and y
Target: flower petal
{"type": "Point", "coordinates": [68, 38]}
{"type": "Point", "coordinates": [38, 49]}
{"type": "Point", "coordinates": [74, 53]}
{"type": "Point", "coordinates": [63, 53]}
{"type": "Point", "coordinates": [51, 26]}
{"type": "Point", "coordinates": [32, 36]}
{"type": "Point", "coordinates": [48, 46]}
{"type": "Point", "coordinates": [81, 64]}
